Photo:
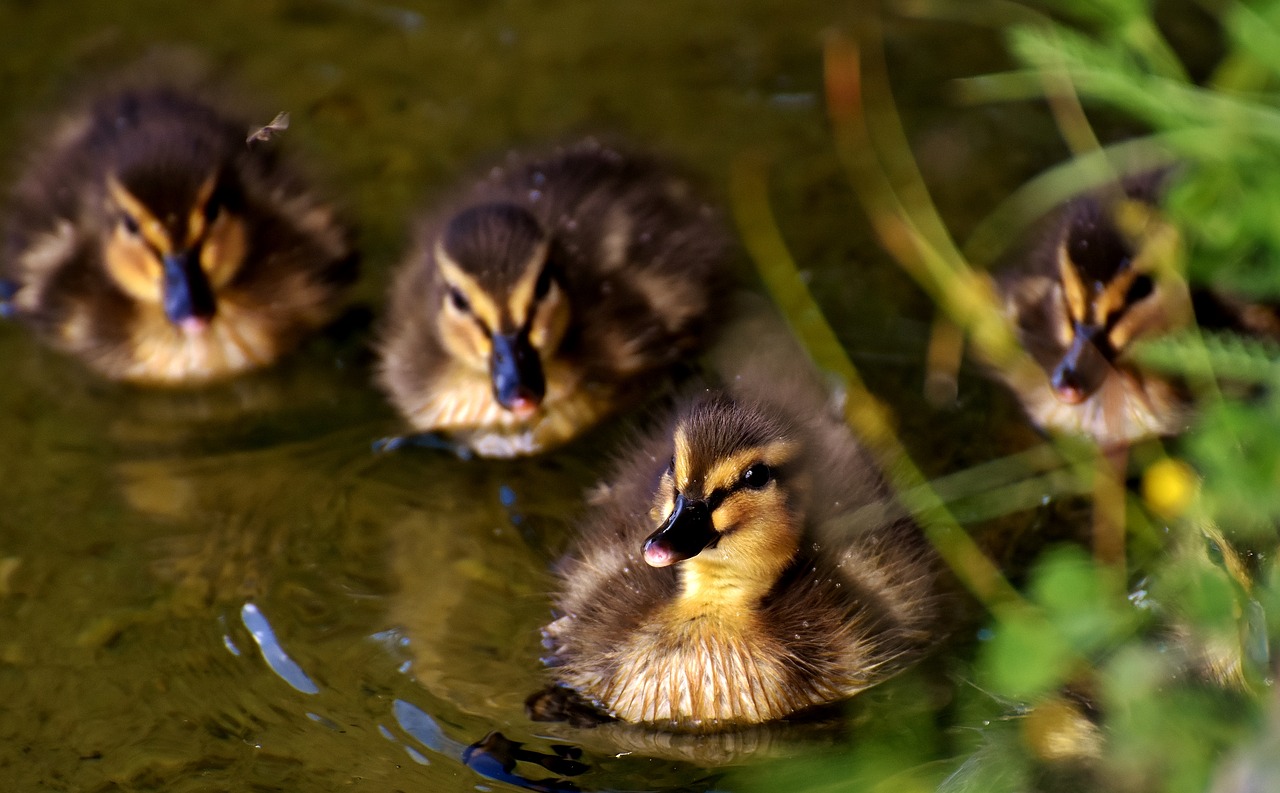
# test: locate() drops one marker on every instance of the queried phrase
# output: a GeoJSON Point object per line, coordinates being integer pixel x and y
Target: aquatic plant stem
{"type": "Point", "coordinates": [913, 234]}
{"type": "Point", "coordinates": [749, 196]}
{"type": "Point", "coordinates": [1108, 510]}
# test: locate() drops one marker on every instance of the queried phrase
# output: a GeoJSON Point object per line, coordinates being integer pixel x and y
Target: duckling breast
{"type": "Point", "coordinates": [699, 675]}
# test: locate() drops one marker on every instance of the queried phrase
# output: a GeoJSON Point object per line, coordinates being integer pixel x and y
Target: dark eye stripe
{"type": "Point", "coordinates": [543, 284]}
{"type": "Point", "coordinates": [1141, 287]}
{"type": "Point", "coordinates": [459, 300]}
{"type": "Point", "coordinates": [716, 498]}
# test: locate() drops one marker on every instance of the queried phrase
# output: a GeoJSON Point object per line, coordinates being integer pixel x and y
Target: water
{"type": "Point", "coordinates": [224, 589]}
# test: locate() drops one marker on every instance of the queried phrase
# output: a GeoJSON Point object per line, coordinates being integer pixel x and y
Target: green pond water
{"type": "Point", "coordinates": [224, 589]}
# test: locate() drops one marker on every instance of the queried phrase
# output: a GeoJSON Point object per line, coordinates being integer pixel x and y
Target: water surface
{"type": "Point", "coordinates": [224, 588]}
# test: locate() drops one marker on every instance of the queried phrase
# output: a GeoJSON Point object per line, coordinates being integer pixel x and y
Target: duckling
{"type": "Point", "coordinates": [727, 577]}
{"type": "Point", "coordinates": [1080, 302]}
{"type": "Point", "coordinates": [550, 295]}
{"type": "Point", "coordinates": [151, 241]}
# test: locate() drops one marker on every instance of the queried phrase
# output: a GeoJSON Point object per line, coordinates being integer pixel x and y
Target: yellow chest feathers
{"type": "Point", "coordinates": [706, 659]}
{"type": "Point", "coordinates": [699, 672]}
{"type": "Point", "coordinates": [1126, 408]}
{"type": "Point", "coordinates": [462, 402]}
{"type": "Point", "coordinates": [158, 352]}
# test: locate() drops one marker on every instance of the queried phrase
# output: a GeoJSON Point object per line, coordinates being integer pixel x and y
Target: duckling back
{"type": "Point", "coordinates": [772, 593]}
{"type": "Point", "coordinates": [149, 239]}
{"type": "Point", "coordinates": [543, 298]}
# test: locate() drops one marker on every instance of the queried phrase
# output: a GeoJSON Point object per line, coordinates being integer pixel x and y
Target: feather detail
{"type": "Point", "coordinates": [777, 612]}
{"type": "Point", "coordinates": [141, 178]}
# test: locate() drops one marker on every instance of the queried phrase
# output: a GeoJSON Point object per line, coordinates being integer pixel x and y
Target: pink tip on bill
{"type": "Point", "coordinates": [657, 554]}
{"type": "Point", "coordinates": [194, 326]}
{"type": "Point", "coordinates": [523, 407]}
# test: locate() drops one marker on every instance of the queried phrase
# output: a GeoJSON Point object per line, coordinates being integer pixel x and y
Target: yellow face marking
{"type": "Point", "coordinates": [1112, 300]}
{"type": "Point", "coordinates": [726, 472]}
{"type": "Point", "coordinates": [459, 332]}
{"type": "Point", "coordinates": [521, 299]}
{"type": "Point", "coordinates": [551, 320]}
{"type": "Point", "coordinates": [1073, 287]}
{"type": "Point", "coordinates": [226, 245]}
{"type": "Point", "coordinates": [197, 218]}
{"type": "Point", "coordinates": [682, 457]}
{"type": "Point", "coordinates": [133, 260]}
{"type": "Point", "coordinates": [482, 305]}
{"type": "Point", "coordinates": [149, 227]}
{"type": "Point", "coordinates": [130, 257]}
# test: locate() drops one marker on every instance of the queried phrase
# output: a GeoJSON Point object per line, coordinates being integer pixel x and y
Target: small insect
{"type": "Point", "coordinates": [277, 125]}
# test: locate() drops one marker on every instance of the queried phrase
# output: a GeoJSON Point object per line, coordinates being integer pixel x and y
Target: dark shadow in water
{"type": "Point", "coordinates": [495, 756]}
{"type": "Point", "coordinates": [421, 440]}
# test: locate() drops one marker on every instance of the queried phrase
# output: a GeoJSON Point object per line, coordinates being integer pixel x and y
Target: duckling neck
{"type": "Point", "coordinates": [724, 589]}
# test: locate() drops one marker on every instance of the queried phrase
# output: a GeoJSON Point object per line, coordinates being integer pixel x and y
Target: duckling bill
{"type": "Point", "coordinates": [548, 296]}
{"type": "Point", "coordinates": [150, 241]}
{"type": "Point", "coordinates": [719, 579]}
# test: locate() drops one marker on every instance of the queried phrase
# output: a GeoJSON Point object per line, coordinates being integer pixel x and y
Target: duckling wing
{"type": "Point", "coordinates": [857, 611]}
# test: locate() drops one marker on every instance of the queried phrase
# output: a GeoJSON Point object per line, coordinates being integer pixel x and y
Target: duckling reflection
{"type": "Point", "coordinates": [148, 240]}
{"type": "Point", "coordinates": [547, 297]}
{"type": "Point", "coordinates": [718, 581]}
{"type": "Point", "coordinates": [496, 757]}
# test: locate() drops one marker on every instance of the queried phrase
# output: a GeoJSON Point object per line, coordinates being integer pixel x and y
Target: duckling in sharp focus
{"type": "Point", "coordinates": [151, 241]}
{"type": "Point", "coordinates": [1080, 302]}
{"type": "Point", "coordinates": [548, 297]}
{"type": "Point", "coordinates": [727, 577]}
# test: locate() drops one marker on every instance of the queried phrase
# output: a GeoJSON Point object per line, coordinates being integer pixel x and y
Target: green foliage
{"type": "Point", "coordinates": [1176, 671]}
{"type": "Point", "coordinates": [1104, 677]}
{"type": "Point", "coordinates": [1234, 447]}
{"type": "Point", "coordinates": [1034, 652]}
{"type": "Point", "coordinates": [1163, 735]}
{"type": "Point", "coordinates": [1226, 141]}
{"type": "Point", "coordinates": [1227, 356]}
{"type": "Point", "coordinates": [1228, 209]}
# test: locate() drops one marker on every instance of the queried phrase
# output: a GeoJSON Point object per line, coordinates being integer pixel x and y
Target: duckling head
{"type": "Point", "coordinates": [731, 505]}
{"type": "Point", "coordinates": [174, 236]}
{"type": "Point", "coordinates": [1107, 300]}
{"type": "Point", "coordinates": [504, 308]}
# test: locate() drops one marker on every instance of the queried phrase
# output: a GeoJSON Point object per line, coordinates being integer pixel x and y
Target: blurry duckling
{"type": "Point", "coordinates": [549, 296]}
{"type": "Point", "coordinates": [1080, 301]}
{"type": "Point", "coordinates": [150, 241]}
{"type": "Point", "coordinates": [726, 576]}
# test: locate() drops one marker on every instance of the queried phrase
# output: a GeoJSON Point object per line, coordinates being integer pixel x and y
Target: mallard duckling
{"type": "Point", "coordinates": [152, 241]}
{"type": "Point", "coordinates": [549, 295]}
{"type": "Point", "coordinates": [1080, 301]}
{"type": "Point", "coordinates": [726, 576]}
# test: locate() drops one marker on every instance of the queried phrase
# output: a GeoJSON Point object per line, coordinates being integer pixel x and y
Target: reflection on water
{"type": "Point", "coordinates": [224, 588]}
{"type": "Point", "coordinates": [272, 652]}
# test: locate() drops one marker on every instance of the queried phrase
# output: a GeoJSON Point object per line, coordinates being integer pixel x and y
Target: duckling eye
{"type": "Point", "coordinates": [130, 224]}
{"type": "Point", "coordinates": [757, 476]}
{"type": "Point", "coordinates": [459, 300]}
{"type": "Point", "coordinates": [1141, 287]}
